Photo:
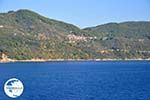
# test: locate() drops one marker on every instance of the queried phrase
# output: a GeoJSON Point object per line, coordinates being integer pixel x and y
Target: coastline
{"type": "Point", "coordinates": [63, 60]}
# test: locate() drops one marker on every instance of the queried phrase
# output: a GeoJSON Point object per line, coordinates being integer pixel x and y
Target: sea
{"type": "Point", "coordinates": [81, 80]}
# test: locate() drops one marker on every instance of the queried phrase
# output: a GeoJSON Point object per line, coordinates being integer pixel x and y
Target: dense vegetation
{"type": "Point", "coordinates": [25, 35]}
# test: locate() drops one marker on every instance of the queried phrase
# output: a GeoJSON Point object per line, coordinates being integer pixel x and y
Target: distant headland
{"type": "Point", "coordinates": [28, 36]}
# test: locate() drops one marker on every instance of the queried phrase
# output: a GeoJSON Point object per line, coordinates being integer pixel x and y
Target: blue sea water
{"type": "Point", "coordinates": [129, 80]}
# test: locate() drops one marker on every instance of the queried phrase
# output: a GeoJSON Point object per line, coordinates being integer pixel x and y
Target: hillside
{"type": "Point", "coordinates": [25, 35]}
{"type": "Point", "coordinates": [127, 39]}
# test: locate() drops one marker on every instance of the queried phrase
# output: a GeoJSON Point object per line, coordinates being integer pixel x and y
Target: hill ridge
{"type": "Point", "coordinates": [25, 34]}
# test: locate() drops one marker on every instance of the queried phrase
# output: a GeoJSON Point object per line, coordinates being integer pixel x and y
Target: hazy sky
{"type": "Point", "coordinates": [84, 13]}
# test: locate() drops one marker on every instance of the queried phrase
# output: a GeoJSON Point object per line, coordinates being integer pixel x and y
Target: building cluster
{"type": "Point", "coordinates": [75, 38]}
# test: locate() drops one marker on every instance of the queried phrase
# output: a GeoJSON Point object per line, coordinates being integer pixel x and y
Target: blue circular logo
{"type": "Point", "coordinates": [13, 88]}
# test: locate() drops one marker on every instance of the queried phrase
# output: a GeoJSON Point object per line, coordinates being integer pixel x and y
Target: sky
{"type": "Point", "coordinates": [84, 13]}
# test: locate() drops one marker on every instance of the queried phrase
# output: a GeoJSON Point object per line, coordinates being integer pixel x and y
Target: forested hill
{"type": "Point", "coordinates": [25, 35]}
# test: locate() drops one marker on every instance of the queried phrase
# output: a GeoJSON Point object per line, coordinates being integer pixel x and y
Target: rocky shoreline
{"type": "Point", "coordinates": [60, 60]}
{"type": "Point", "coordinates": [6, 59]}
